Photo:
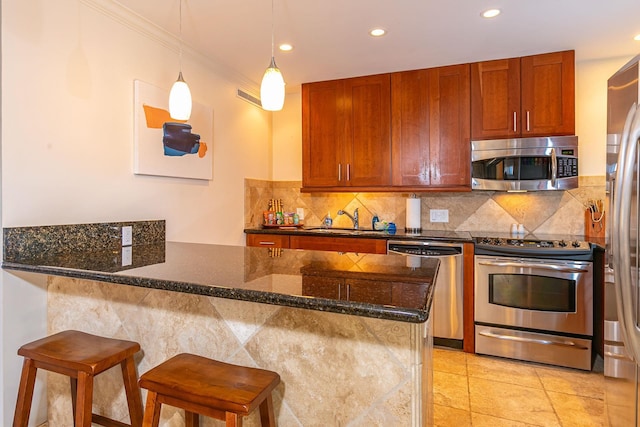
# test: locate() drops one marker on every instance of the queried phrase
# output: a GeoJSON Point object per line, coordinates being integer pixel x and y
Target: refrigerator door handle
{"type": "Point", "coordinates": [622, 233]}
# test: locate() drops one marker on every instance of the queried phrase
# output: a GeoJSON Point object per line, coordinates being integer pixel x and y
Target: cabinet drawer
{"type": "Point", "coordinates": [268, 240]}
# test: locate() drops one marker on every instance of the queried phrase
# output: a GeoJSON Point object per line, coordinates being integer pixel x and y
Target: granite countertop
{"type": "Point", "coordinates": [388, 288]}
{"type": "Point", "coordinates": [444, 235]}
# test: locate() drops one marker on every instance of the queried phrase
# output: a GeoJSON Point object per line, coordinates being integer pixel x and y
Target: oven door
{"type": "Point", "coordinates": [539, 294]}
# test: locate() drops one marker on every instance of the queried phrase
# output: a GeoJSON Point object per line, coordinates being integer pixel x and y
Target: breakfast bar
{"type": "Point", "coordinates": [349, 334]}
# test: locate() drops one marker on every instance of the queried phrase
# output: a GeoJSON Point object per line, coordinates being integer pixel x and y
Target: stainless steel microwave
{"type": "Point", "coordinates": [525, 164]}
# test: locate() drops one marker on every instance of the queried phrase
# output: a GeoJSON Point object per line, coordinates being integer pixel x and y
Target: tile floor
{"type": "Point", "coordinates": [475, 390]}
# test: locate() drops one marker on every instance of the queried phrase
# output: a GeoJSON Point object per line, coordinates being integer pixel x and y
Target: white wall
{"type": "Point", "coordinates": [68, 68]}
{"type": "Point", "coordinates": [591, 112]}
{"type": "Point", "coordinates": [68, 127]}
{"type": "Point", "coordinates": [287, 140]}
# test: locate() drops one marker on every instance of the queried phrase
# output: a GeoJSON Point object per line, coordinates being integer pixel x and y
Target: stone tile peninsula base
{"type": "Point", "coordinates": [336, 369]}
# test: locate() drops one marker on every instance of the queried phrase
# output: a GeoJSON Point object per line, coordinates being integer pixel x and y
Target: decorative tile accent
{"type": "Point", "coordinates": [544, 212]}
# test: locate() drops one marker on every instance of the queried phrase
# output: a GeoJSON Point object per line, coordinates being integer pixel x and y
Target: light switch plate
{"type": "Point", "coordinates": [300, 212]}
{"type": "Point", "coordinates": [439, 215]}
{"type": "Point", "coordinates": [127, 235]}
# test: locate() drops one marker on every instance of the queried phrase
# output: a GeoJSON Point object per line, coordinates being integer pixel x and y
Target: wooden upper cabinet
{"type": "Point", "coordinates": [522, 97]}
{"type": "Point", "coordinates": [431, 128]}
{"type": "Point", "coordinates": [346, 133]}
{"type": "Point", "coordinates": [548, 94]}
{"type": "Point", "coordinates": [368, 131]}
{"type": "Point", "coordinates": [322, 133]}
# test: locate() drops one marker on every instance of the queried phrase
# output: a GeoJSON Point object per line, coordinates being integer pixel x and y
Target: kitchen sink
{"type": "Point", "coordinates": [323, 230]}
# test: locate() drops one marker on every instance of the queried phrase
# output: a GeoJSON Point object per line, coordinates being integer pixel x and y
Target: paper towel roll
{"type": "Point", "coordinates": [413, 216]}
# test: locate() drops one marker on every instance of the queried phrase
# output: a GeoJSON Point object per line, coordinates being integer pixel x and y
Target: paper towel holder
{"type": "Point", "coordinates": [413, 223]}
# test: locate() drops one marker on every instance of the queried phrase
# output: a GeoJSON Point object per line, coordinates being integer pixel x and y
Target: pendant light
{"type": "Point", "coordinates": [272, 87]}
{"type": "Point", "coordinates": [180, 95]}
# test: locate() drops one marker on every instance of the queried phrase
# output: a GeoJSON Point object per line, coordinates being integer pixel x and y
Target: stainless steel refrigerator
{"type": "Point", "coordinates": [622, 307]}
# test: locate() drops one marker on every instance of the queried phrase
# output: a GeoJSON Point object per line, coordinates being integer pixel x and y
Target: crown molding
{"type": "Point", "coordinates": [131, 20]}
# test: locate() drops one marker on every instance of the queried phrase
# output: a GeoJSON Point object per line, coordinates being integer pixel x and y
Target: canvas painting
{"type": "Point", "coordinates": [167, 147]}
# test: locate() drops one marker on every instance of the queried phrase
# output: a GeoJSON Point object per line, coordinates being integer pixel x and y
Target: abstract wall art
{"type": "Point", "coordinates": [167, 147]}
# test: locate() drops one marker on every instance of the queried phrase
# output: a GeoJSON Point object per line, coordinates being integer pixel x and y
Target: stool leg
{"type": "Point", "coordinates": [233, 420]}
{"type": "Point", "coordinates": [267, 416]}
{"type": "Point", "coordinates": [74, 396]}
{"type": "Point", "coordinates": [25, 394]}
{"type": "Point", "coordinates": [84, 400]}
{"type": "Point", "coordinates": [191, 419]}
{"type": "Point", "coordinates": [134, 398]}
{"type": "Point", "coordinates": [152, 410]}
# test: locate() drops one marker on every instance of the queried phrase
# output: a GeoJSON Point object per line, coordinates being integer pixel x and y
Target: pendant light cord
{"type": "Point", "coordinates": [272, 26]}
{"type": "Point", "coordinates": [180, 36]}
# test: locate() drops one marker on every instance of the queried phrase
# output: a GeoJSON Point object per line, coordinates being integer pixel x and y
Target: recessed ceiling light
{"type": "Point", "coordinates": [378, 32]}
{"type": "Point", "coordinates": [637, 38]}
{"type": "Point", "coordinates": [491, 13]}
{"type": "Point", "coordinates": [285, 47]}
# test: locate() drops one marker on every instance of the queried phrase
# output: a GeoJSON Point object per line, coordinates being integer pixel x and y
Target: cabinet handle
{"type": "Point", "coordinates": [528, 121]}
{"type": "Point", "coordinates": [348, 171]}
{"type": "Point", "coordinates": [339, 172]}
{"type": "Point", "coordinates": [266, 243]}
{"type": "Point", "coordinates": [515, 117]}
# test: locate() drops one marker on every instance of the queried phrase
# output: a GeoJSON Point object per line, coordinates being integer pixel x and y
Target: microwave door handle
{"type": "Point", "coordinates": [554, 167]}
{"type": "Point", "coordinates": [560, 268]}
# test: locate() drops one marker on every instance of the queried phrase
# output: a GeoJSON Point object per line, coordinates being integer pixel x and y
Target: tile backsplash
{"type": "Point", "coordinates": [545, 212]}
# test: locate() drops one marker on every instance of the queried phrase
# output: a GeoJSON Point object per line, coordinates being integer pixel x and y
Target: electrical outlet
{"type": "Point", "coordinates": [439, 215]}
{"type": "Point", "coordinates": [127, 235]}
{"type": "Point", "coordinates": [127, 255]}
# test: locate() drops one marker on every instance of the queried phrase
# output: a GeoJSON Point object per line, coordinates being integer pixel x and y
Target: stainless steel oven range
{"type": "Point", "coordinates": [534, 300]}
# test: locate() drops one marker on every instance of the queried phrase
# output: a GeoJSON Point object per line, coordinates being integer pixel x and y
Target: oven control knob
{"type": "Point", "coordinates": [562, 244]}
{"type": "Point", "coordinates": [575, 244]}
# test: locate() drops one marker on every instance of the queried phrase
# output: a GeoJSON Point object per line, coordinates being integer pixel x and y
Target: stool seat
{"type": "Point", "coordinates": [80, 356]}
{"type": "Point", "coordinates": [209, 387]}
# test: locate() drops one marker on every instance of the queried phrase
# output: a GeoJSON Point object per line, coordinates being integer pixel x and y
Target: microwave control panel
{"type": "Point", "coordinates": [567, 167]}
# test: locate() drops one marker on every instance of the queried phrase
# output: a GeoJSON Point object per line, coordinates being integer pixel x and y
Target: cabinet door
{"type": "Point", "coordinates": [430, 127]}
{"type": "Point", "coordinates": [323, 287]}
{"type": "Point", "coordinates": [410, 127]}
{"type": "Point", "coordinates": [322, 133]}
{"type": "Point", "coordinates": [367, 156]}
{"type": "Point", "coordinates": [495, 99]}
{"type": "Point", "coordinates": [548, 94]}
{"type": "Point", "coordinates": [369, 291]}
{"type": "Point", "coordinates": [449, 116]}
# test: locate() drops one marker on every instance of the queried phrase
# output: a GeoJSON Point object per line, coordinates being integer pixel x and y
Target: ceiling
{"type": "Point", "coordinates": [331, 40]}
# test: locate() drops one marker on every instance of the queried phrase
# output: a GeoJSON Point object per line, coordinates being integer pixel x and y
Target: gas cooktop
{"type": "Point", "coordinates": [533, 248]}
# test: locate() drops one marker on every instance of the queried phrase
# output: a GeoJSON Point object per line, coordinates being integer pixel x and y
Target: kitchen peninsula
{"type": "Point", "coordinates": [361, 356]}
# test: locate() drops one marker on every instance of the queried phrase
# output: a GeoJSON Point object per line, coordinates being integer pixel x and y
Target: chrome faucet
{"type": "Point", "coordinates": [353, 218]}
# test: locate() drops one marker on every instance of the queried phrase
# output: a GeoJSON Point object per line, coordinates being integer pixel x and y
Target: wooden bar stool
{"type": "Point", "coordinates": [81, 357]}
{"type": "Point", "coordinates": [208, 387]}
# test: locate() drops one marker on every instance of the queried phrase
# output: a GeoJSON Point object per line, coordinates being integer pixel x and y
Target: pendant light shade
{"type": "Point", "coordinates": [272, 87]}
{"type": "Point", "coordinates": [180, 100]}
{"type": "Point", "coordinates": [180, 95]}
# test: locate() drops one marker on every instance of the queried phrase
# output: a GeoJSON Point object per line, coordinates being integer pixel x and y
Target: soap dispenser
{"type": "Point", "coordinates": [374, 220]}
{"type": "Point", "coordinates": [328, 222]}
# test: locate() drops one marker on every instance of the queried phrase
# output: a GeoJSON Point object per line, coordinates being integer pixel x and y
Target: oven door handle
{"type": "Point", "coordinates": [560, 268]}
{"type": "Point", "coordinates": [565, 343]}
